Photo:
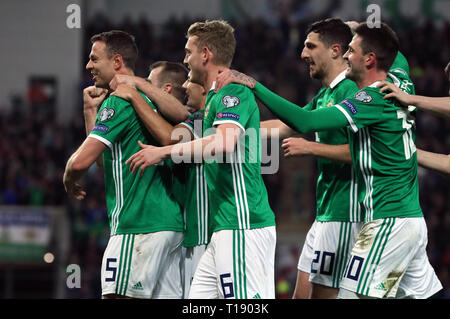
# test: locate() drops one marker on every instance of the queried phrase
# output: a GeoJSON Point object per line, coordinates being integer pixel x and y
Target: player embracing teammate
{"type": "Point", "coordinates": [372, 243]}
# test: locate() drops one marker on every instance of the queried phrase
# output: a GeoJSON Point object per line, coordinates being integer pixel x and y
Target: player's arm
{"type": "Point", "coordinates": [434, 161]}
{"type": "Point", "coordinates": [93, 97]}
{"type": "Point", "coordinates": [223, 142]}
{"type": "Point", "coordinates": [157, 126]}
{"type": "Point", "coordinates": [298, 119]}
{"type": "Point", "coordinates": [272, 128]}
{"type": "Point", "coordinates": [78, 163]}
{"type": "Point", "coordinates": [438, 105]}
{"type": "Point", "coordinates": [301, 147]}
{"type": "Point", "coordinates": [169, 106]}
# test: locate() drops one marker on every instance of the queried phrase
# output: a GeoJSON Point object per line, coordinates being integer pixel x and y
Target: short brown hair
{"type": "Point", "coordinates": [380, 40]}
{"type": "Point", "coordinates": [332, 31]}
{"type": "Point", "coordinates": [119, 42]}
{"type": "Point", "coordinates": [172, 72]}
{"type": "Point", "coordinates": [218, 37]}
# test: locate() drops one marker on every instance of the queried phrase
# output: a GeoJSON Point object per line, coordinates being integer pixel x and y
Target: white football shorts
{"type": "Point", "coordinates": [389, 260]}
{"type": "Point", "coordinates": [326, 251]}
{"type": "Point", "coordinates": [144, 265]}
{"type": "Point", "coordinates": [237, 264]}
{"type": "Point", "coordinates": [192, 258]}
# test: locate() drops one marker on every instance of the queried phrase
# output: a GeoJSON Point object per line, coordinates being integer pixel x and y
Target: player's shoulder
{"type": "Point", "coordinates": [115, 102]}
{"type": "Point", "coordinates": [400, 65]}
{"type": "Point", "coordinates": [236, 89]}
{"type": "Point", "coordinates": [370, 95]}
{"type": "Point", "coordinates": [345, 88]}
{"type": "Point", "coordinates": [233, 95]}
{"type": "Point", "coordinates": [347, 84]}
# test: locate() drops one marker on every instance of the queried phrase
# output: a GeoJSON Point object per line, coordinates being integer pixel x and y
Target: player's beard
{"type": "Point", "coordinates": [353, 74]}
{"type": "Point", "coordinates": [317, 74]}
{"type": "Point", "coordinates": [100, 82]}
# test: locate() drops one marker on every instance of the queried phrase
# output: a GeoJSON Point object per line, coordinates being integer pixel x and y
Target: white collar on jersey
{"type": "Point", "coordinates": [374, 84]}
{"type": "Point", "coordinates": [213, 86]}
{"type": "Point", "coordinates": [338, 79]}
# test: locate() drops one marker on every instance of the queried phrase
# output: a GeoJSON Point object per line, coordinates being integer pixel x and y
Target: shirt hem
{"type": "Point", "coordinates": [234, 227]}
{"type": "Point", "coordinates": [146, 230]}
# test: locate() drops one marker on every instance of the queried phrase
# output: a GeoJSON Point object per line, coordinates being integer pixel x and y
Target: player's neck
{"type": "Point", "coordinates": [371, 77]}
{"type": "Point", "coordinates": [333, 73]}
{"type": "Point", "coordinates": [211, 75]}
{"type": "Point", "coordinates": [126, 71]}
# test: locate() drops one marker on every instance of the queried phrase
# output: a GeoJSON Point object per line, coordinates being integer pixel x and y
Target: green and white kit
{"type": "Point", "coordinates": [137, 206]}
{"type": "Point", "coordinates": [242, 219]}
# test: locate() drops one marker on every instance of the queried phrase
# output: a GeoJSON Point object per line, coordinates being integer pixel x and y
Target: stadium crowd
{"type": "Point", "coordinates": [35, 149]}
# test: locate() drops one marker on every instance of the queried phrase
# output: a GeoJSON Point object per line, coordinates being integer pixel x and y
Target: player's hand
{"type": "Point", "coordinates": [148, 156]}
{"type": "Point", "coordinates": [125, 92]}
{"type": "Point", "coordinates": [74, 190]}
{"type": "Point", "coordinates": [295, 146]}
{"type": "Point", "coordinates": [123, 79]}
{"type": "Point", "coordinates": [232, 76]}
{"type": "Point", "coordinates": [395, 92]}
{"type": "Point", "coordinates": [93, 97]}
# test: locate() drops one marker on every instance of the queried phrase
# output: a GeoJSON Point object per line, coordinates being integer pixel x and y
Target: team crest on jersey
{"type": "Point", "coordinates": [331, 103]}
{"type": "Point", "coordinates": [362, 96]}
{"type": "Point", "coordinates": [230, 101]}
{"type": "Point", "coordinates": [106, 114]}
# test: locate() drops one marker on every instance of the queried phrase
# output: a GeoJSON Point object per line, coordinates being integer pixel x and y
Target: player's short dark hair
{"type": "Point", "coordinates": [380, 40]}
{"type": "Point", "coordinates": [332, 31]}
{"type": "Point", "coordinates": [119, 42]}
{"type": "Point", "coordinates": [172, 72]}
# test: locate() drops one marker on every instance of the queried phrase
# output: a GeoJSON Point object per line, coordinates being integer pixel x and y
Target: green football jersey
{"type": "Point", "coordinates": [195, 194]}
{"type": "Point", "coordinates": [383, 151]}
{"type": "Point", "coordinates": [336, 190]}
{"type": "Point", "coordinates": [237, 194]}
{"type": "Point", "coordinates": [135, 204]}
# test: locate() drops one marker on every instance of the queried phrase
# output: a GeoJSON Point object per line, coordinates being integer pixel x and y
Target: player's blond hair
{"type": "Point", "coordinates": [218, 37]}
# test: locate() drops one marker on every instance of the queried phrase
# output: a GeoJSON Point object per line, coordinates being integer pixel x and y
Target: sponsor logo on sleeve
{"type": "Point", "coordinates": [106, 114]}
{"type": "Point", "coordinates": [230, 101]}
{"type": "Point", "coordinates": [223, 116]}
{"type": "Point", "coordinates": [101, 128]}
{"type": "Point", "coordinates": [350, 106]}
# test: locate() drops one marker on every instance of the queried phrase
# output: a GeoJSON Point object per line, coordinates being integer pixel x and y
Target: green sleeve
{"type": "Point", "coordinates": [303, 121]}
{"type": "Point", "coordinates": [400, 64]}
{"type": "Point", "coordinates": [113, 120]}
{"type": "Point", "coordinates": [235, 104]}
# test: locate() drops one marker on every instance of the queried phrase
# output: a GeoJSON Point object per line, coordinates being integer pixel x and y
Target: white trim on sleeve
{"type": "Point", "coordinates": [101, 139]}
{"type": "Point", "coordinates": [218, 122]}
{"type": "Point", "coordinates": [349, 118]}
